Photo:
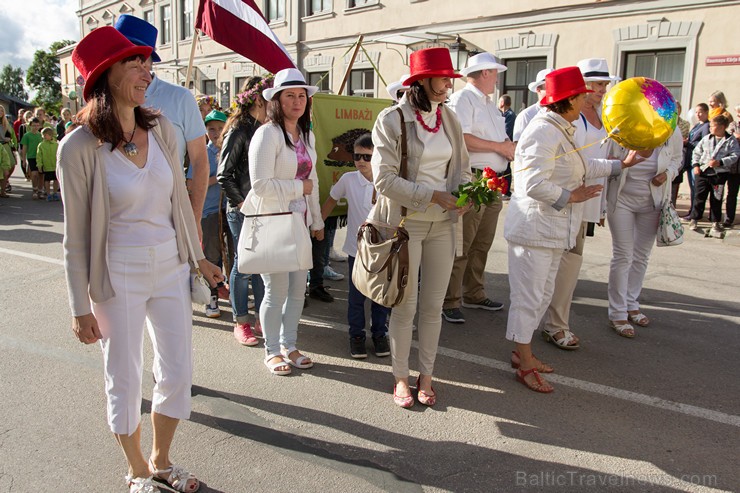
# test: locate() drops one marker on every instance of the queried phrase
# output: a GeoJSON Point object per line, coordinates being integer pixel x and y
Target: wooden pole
{"type": "Point", "coordinates": [189, 72]}
{"type": "Point", "coordinates": [358, 44]}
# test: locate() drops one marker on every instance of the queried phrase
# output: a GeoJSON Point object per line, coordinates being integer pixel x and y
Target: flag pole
{"type": "Point", "coordinates": [358, 44]}
{"type": "Point", "coordinates": [189, 72]}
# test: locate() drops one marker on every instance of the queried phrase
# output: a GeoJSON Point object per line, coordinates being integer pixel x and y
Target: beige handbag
{"type": "Point", "coordinates": [381, 269]}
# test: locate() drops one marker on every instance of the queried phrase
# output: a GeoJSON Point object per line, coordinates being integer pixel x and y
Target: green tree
{"type": "Point", "coordinates": [11, 82]}
{"type": "Point", "coordinates": [45, 77]}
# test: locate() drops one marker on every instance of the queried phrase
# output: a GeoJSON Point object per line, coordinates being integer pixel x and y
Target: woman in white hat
{"type": "Point", "coordinates": [282, 167]}
{"type": "Point", "coordinates": [589, 130]}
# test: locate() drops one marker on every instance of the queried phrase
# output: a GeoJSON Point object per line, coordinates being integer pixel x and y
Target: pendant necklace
{"type": "Point", "coordinates": [129, 148]}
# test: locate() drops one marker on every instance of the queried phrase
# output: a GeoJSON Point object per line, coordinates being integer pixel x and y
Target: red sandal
{"type": "Point", "coordinates": [424, 397]}
{"type": "Point", "coordinates": [543, 368]}
{"type": "Point", "coordinates": [540, 387]}
{"type": "Point", "coordinates": [402, 401]}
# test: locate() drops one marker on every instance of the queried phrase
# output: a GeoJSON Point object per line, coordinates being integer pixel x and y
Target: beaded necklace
{"type": "Point", "coordinates": [436, 126]}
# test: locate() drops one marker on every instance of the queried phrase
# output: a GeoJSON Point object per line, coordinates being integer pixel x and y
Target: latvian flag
{"type": "Point", "coordinates": [240, 26]}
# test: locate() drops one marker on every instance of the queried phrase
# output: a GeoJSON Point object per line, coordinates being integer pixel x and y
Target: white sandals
{"type": "Point", "coordinates": [282, 363]}
{"type": "Point", "coordinates": [564, 342]}
{"type": "Point", "coordinates": [623, 329]}
{"type": "Point", "coordinates": [141, 485]}
{"type": "Point", "coordinates": [639, 319]}
{"type": "Point", "coordinates": [174, 478]}
{"type": "Point", "coordinates": [302, 362]}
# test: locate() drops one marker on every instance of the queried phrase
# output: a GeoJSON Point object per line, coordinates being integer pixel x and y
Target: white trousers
{"type": "Point", "coordinates": [281, 309]}
{"type": "Point", "coordinates": [152, 288]}
{"type": "Point", "coordinates": [633, 237]}
{"type": "Point", "coordinates": [532, 272]}
{"type": "Point", "coordinates": [431, 246]}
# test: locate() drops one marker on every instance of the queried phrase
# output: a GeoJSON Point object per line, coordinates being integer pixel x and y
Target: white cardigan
{"type": "Point", "coordinates": [272, 169]}
{"type": "Point", "coordinates": [670, 160]}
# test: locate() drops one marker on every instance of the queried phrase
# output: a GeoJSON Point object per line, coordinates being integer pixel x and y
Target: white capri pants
{"type": "Point", "coordinates": [633, 237]}
{"type": "Point", "coordinates": [532, 272]}
{"type": "Point", "coordinates": [152, 286]}
{"type": "Point", "coordinates": [431, 246]}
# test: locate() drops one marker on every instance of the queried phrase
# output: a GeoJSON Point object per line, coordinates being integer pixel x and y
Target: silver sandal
{"type": "Point", "coordinates": [564, 342]}
{"type": "Point", "coordinates": [176, 479]}
{"type": "Point", "coordinates": [141, 485]}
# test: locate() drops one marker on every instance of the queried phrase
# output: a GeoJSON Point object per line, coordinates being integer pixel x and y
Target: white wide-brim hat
{"type": "Point", "coordinates": [596, 70]}
{"type": "Point", "coordinates": [288, 78]}
{"type": "Point", "coordinates": [394, 87]}
{"type": "Point", "coordinates": [540, 81]}
{"type": "Point", "coordinates": [482, 61]}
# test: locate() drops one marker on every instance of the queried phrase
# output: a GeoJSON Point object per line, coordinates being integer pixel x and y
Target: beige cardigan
{"type": "Point", "coordinates": [87, 213]}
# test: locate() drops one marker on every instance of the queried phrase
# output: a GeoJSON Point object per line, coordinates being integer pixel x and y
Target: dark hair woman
{"type": "Point", "coordinates": [249, 112]}
{"type": "Point", "coordinates": [282, 167]}
{"type": "Point", "coordinates": [129, 235]}
{"type": "Point", "coordinates": [437, 163]}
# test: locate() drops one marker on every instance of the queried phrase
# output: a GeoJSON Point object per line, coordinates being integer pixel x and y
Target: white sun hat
{"type": "Point", "coordinates": [540, 81]}
{"type": "Point", "coordinates": [482, 61]}
{"type": "Point", "coordinates": [288, 78]}
{"type": "Point", "coordinates": [596, 70]}
{"type": "Point", "coordinates": [394, 87]}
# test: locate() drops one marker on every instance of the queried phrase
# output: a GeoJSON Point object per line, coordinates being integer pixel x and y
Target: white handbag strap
{"type": "Point", "coordinates": [191, 249]}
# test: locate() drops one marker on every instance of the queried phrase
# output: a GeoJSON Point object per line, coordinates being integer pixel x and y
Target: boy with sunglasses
{"type": "Point", "coordinates": [357, 188]}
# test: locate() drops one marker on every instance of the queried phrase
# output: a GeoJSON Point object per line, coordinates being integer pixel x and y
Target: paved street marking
{"type": "Point", "coordinates": [626, 395]}
{"type": "Point", "coordinates": [32, 256]}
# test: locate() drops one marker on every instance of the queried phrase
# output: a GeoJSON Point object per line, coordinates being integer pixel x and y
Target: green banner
{"type": "Point", "coordinates": [337, 122]}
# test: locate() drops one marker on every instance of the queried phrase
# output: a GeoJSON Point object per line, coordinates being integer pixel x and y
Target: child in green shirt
{"type": "Point", "coordinates": [29, 144]}
{"type": "Point", "coordinates": [46, 162]}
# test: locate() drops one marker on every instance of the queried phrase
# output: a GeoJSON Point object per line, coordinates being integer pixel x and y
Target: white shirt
{"type": "Point", "coordinates": [140, 198]}
{"type": "Point", "coordinates": [358, 191]}
{"type": "Point", "coordinates": [480, 117]}
{"type": "Point", "coordinates": [433, 164]}
{"type": "Point", "coordinates": [636, 194]}
{"type": "Point", "coordinates": [593, 209]}
{"type": "Point", "coordinates": [524, 117]}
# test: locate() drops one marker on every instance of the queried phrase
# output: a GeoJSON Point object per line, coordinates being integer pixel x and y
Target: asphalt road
{"type": "Point", "coordinates": [658, 413]}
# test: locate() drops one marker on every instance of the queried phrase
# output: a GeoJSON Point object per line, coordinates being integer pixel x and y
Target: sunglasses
{"type": "Point", "coordinates": [362, 157]}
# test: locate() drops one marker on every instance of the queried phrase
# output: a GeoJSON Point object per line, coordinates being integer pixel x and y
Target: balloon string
{"type": "Point", "coordinates": [600, 142]}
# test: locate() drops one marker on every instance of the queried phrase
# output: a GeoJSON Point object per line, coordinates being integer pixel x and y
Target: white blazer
{"type": "Point", "coordinates": [272, 169]}
{"type": "Point", "coordinates": [670, 160]}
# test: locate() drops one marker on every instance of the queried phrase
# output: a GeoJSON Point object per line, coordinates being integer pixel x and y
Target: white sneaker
{"type": "Point", "coordinates": [337, 256]}
{"type": "Point", "coordinates": [212, 309]}
{"type": "Point", "coordinates": [332, 275]}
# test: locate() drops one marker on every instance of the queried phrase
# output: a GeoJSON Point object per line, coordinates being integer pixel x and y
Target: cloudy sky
{"type": "Point", "coordinates": [30, 25]}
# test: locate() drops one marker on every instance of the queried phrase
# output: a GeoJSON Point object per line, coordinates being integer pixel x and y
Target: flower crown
{"type": "Point", "coordinates": [210, 100]}
{"type": "Point", "coordinates": [248, 97]}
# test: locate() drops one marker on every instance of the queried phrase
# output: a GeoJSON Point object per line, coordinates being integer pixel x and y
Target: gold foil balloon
{"type": "Point", "coordinates": [639, 113]}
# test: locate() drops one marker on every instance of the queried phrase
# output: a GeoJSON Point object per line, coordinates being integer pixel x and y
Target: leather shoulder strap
{"type": "Point", "coordinates": [403, 172]}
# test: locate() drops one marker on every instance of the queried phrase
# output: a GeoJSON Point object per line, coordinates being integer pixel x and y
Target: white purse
{"type": "Point", "coordinates": [200, 290]}
{"type": "Point", "coordinates": [274, 242]}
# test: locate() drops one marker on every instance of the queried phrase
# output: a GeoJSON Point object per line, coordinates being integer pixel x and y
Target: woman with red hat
{"type": "Point", "coordinates": [545, 212]}
{"type": "Point", "coordinates": [129, 237]}
{"type": "Point", "coordinates": [437, 164]}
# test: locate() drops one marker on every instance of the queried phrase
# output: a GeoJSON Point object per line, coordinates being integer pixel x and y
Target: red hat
{"type": "Point", "coordinates": [563, 83]}
{"type": "Point", "coordinates": [430, 62]}
{"type": "Point", "coordinates": [99, 50]}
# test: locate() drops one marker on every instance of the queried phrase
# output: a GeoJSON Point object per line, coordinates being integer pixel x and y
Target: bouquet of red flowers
{"type": "Point", "coordinates": [485, 189]}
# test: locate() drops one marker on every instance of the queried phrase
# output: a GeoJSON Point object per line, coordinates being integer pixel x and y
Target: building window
{"type": "Point", "coordinates": [317, 7]}
{"type": "Point", "coordinates": [208, 87]}
{"type": "Point", "coordinates": [149, 16]}
{"type": "Point", "coordinates": [361, 83]}
{"type": "Point", "coordinates": [664, 66]}
{"type": "Point", "coordinates": [360, 3]}
{"type": "Point", "coordinates": [165, 32]}
{"type": "Point", "coordinates": [239, 83]}
{"type": "Point", "coordinates": [186, 23]}
{"type": "Point", "coordinates": [320, 79]}
{"type": "Point", "coordinates": [516, 79]}
{"type": "Point", "coordinates": [275, 10]}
